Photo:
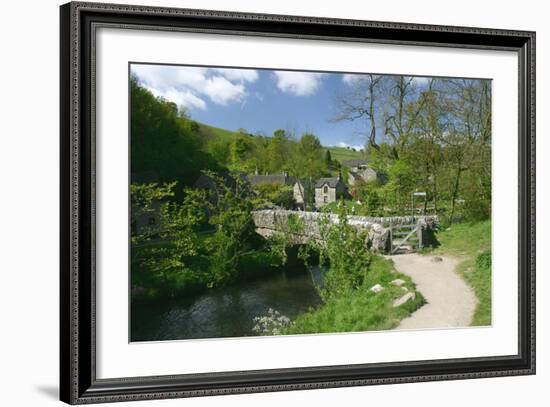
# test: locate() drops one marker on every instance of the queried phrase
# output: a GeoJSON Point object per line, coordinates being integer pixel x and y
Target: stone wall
{"type": "Point", "coordinates": [270, 221]}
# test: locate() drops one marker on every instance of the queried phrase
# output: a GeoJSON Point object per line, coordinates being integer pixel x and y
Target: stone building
{"type": "Point", "coordinates": [281, 179]}
{"type": "Point", "coordinates": [359, 170]}
{"type": "Point", "coordinates": [329, 190]}
{"type": "Point", "coordinates": [299, 192]}
{"type": "Point", "coordinates": [300, 195]}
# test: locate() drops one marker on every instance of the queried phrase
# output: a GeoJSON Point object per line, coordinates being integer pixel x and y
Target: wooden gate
{"type": "Point", "coordinates": [405, 238]}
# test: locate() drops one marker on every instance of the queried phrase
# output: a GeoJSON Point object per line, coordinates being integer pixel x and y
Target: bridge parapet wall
{"type": "Point", "coordinates": [271, 221]}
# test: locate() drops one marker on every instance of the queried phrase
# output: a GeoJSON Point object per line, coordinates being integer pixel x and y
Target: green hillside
{"type": "Point", "coordinates": [209, 132]}
{"type": "Point", "coordinates": [343, 154]}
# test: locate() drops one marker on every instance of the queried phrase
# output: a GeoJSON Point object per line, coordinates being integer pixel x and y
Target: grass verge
{"type": "Point", "coordinates": [362, 309]}
{"type": "Point", "coordinates": [471, 242]}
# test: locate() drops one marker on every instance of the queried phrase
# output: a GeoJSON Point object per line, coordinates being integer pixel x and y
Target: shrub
{"type": "Point", "coordinates": [343, 247]}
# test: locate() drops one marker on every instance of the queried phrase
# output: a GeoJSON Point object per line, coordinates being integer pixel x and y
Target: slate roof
{"type": "Point", "coordinates": [354, 163]}
{"type": "Point", "coordinates": [331, 182]}
{"type": "Point", "coordinates": [271, 179]}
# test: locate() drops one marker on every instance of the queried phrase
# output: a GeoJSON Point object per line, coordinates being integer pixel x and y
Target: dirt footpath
{"type": "Point", "coordinates": [450, 301]}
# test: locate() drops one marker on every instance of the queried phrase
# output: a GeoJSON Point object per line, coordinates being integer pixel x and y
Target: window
{"type": "Point", "coordinates": [325, 190]}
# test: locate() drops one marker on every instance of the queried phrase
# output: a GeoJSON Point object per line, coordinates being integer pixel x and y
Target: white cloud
{"type": "Point", "coordinates": [187, 86]}
{"type": "Point", "coordinates": [346, 145]}
{"type": "Point", "coordinates": [222, 91]}
{"type": "Point", "coordinates": [180, 98]}
{"type": "Point", "coordinates": [245, 75]}
{"type": "Point", "coordinates": [298, 83]}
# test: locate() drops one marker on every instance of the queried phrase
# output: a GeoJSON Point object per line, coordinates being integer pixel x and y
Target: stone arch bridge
{"type": "Point", "coordinates": [384, 234]}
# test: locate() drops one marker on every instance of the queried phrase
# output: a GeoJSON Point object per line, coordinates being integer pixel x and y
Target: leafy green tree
{"type": "Point", "coordinates": [426, 135]}
{"type": "Point", "coordinates": [220, 150]}
{"type": "Point", "coordinates": [231, 217]}
{"type": "Point", "coordinates": [144, 201]}
{"type": "Point", "coordinates": [328, 160]}
{"type": "Point", "coordinates": [278, 151]}
{"type": "Point", "coordinates": [242, 151]}
{"type": "Point", "coordinates": [164, 144]}
{"type": "Point", "coordinates": [307, 158]}
{"type": "Point", "coordinates": [163, 258]}
{"type": "Point", "coordinates": [270, 194]}
{"type": "Point", "coordinates": [342, 247]}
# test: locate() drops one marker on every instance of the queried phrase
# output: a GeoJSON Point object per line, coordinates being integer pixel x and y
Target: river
{"type": "Point", "coordinates": [226, 311]}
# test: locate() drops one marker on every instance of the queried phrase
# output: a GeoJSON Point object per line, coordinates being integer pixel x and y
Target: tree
{"type": "Point", "coordinates": [432, 136]}
{"type": "Point", "coordinates": [231, 217]}
{"type": "Point", "coordinates": [468, 142]}
{"type": "Point", "coordinates": [277, 151]}
{"type": "Point", "coordinates": [309, 157]}
{"type": "Point", "coordinates": [220, 150]}
{"type": "Point", "coordinates": [359, 103]}
{"type": "Point", "coordinates": [164, 143]}
{"type": "Point", "coordinates": [343, 248]}
{"type": "Point", "coordinates": [163, 257]}
{"type": "Point", "coordinates": [328, 159]}
{"type": "Point", "coordinates": [274, 194]}
{"type": "Point", "coordinates": [401, 112]}
{"type": "Point", "coordinates": [242, 150]}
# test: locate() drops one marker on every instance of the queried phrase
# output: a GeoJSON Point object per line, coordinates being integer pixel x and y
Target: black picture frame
{"type": "Point", "coordinates": [78, 382]}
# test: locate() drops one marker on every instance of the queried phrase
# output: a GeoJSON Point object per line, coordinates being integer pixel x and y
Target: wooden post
{"type": "Point", "coordinates": [419, 234]}
{"type": "Point", "coordinates": [391, 236]}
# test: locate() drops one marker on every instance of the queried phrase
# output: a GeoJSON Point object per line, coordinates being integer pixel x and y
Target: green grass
{"type": "Point", "coordinates": [343, 154]}
{"type": "Point", "coordinates": [362, 310]}
{"type": "Point", "coordinates": [211, 132]}
{"type": "Point", "coordinates": [472, 244]}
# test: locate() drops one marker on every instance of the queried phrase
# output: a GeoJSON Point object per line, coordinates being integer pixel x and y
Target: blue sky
{"type": "Point", "coordinates": [258, 100]}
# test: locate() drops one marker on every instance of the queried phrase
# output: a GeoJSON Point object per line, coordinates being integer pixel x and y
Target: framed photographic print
{"type": "Point", "coordinates": [256, 203]}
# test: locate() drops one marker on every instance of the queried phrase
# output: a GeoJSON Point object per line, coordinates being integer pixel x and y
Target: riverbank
{"type": "Point", "coordinates": [193, 280]}
{"type": "Point", "coordinates": [364, 309]}
{"type": "Point", "coordinates": [470, 245]}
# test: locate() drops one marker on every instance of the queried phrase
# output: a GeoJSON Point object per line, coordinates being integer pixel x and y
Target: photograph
{"type": "Point", "coordinates": [256, 201]}
{"type": "Point", "coordinates": [287, 202]}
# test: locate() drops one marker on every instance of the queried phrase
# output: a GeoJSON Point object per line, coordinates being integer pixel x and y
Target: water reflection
{"type": "Point", "coordinates": [227, 311]}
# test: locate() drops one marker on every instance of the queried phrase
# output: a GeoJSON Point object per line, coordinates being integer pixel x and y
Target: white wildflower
{"type": "Point", "coordinates": [270, 324]}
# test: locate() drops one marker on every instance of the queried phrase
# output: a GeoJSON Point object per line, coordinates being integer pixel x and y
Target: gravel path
{"type": "Point", "coordinates": [450, 301]}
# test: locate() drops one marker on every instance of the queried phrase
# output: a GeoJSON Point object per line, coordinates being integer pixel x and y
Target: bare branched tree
{"type": "Point", "coordinates": [358, 103]}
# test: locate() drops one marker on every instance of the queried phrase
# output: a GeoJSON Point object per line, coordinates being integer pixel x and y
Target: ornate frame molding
{"type": "Point", "coordinates": [79, 21]}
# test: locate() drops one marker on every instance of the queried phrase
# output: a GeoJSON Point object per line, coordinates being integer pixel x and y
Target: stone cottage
{"type": "Point", "coordinates": [359, 170]}
{"type": "Point", "coordinates": [280, 179]}
{"type": "Point", "coordinates": [283, 179]}
{"type": "Point", "coordinates": [329, 190]}
{"type": "Point", "coordinates": [299, 193]}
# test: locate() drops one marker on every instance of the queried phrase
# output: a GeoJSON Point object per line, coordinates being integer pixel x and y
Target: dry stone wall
{"type": "Point", "coordinates": [271, 221]}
